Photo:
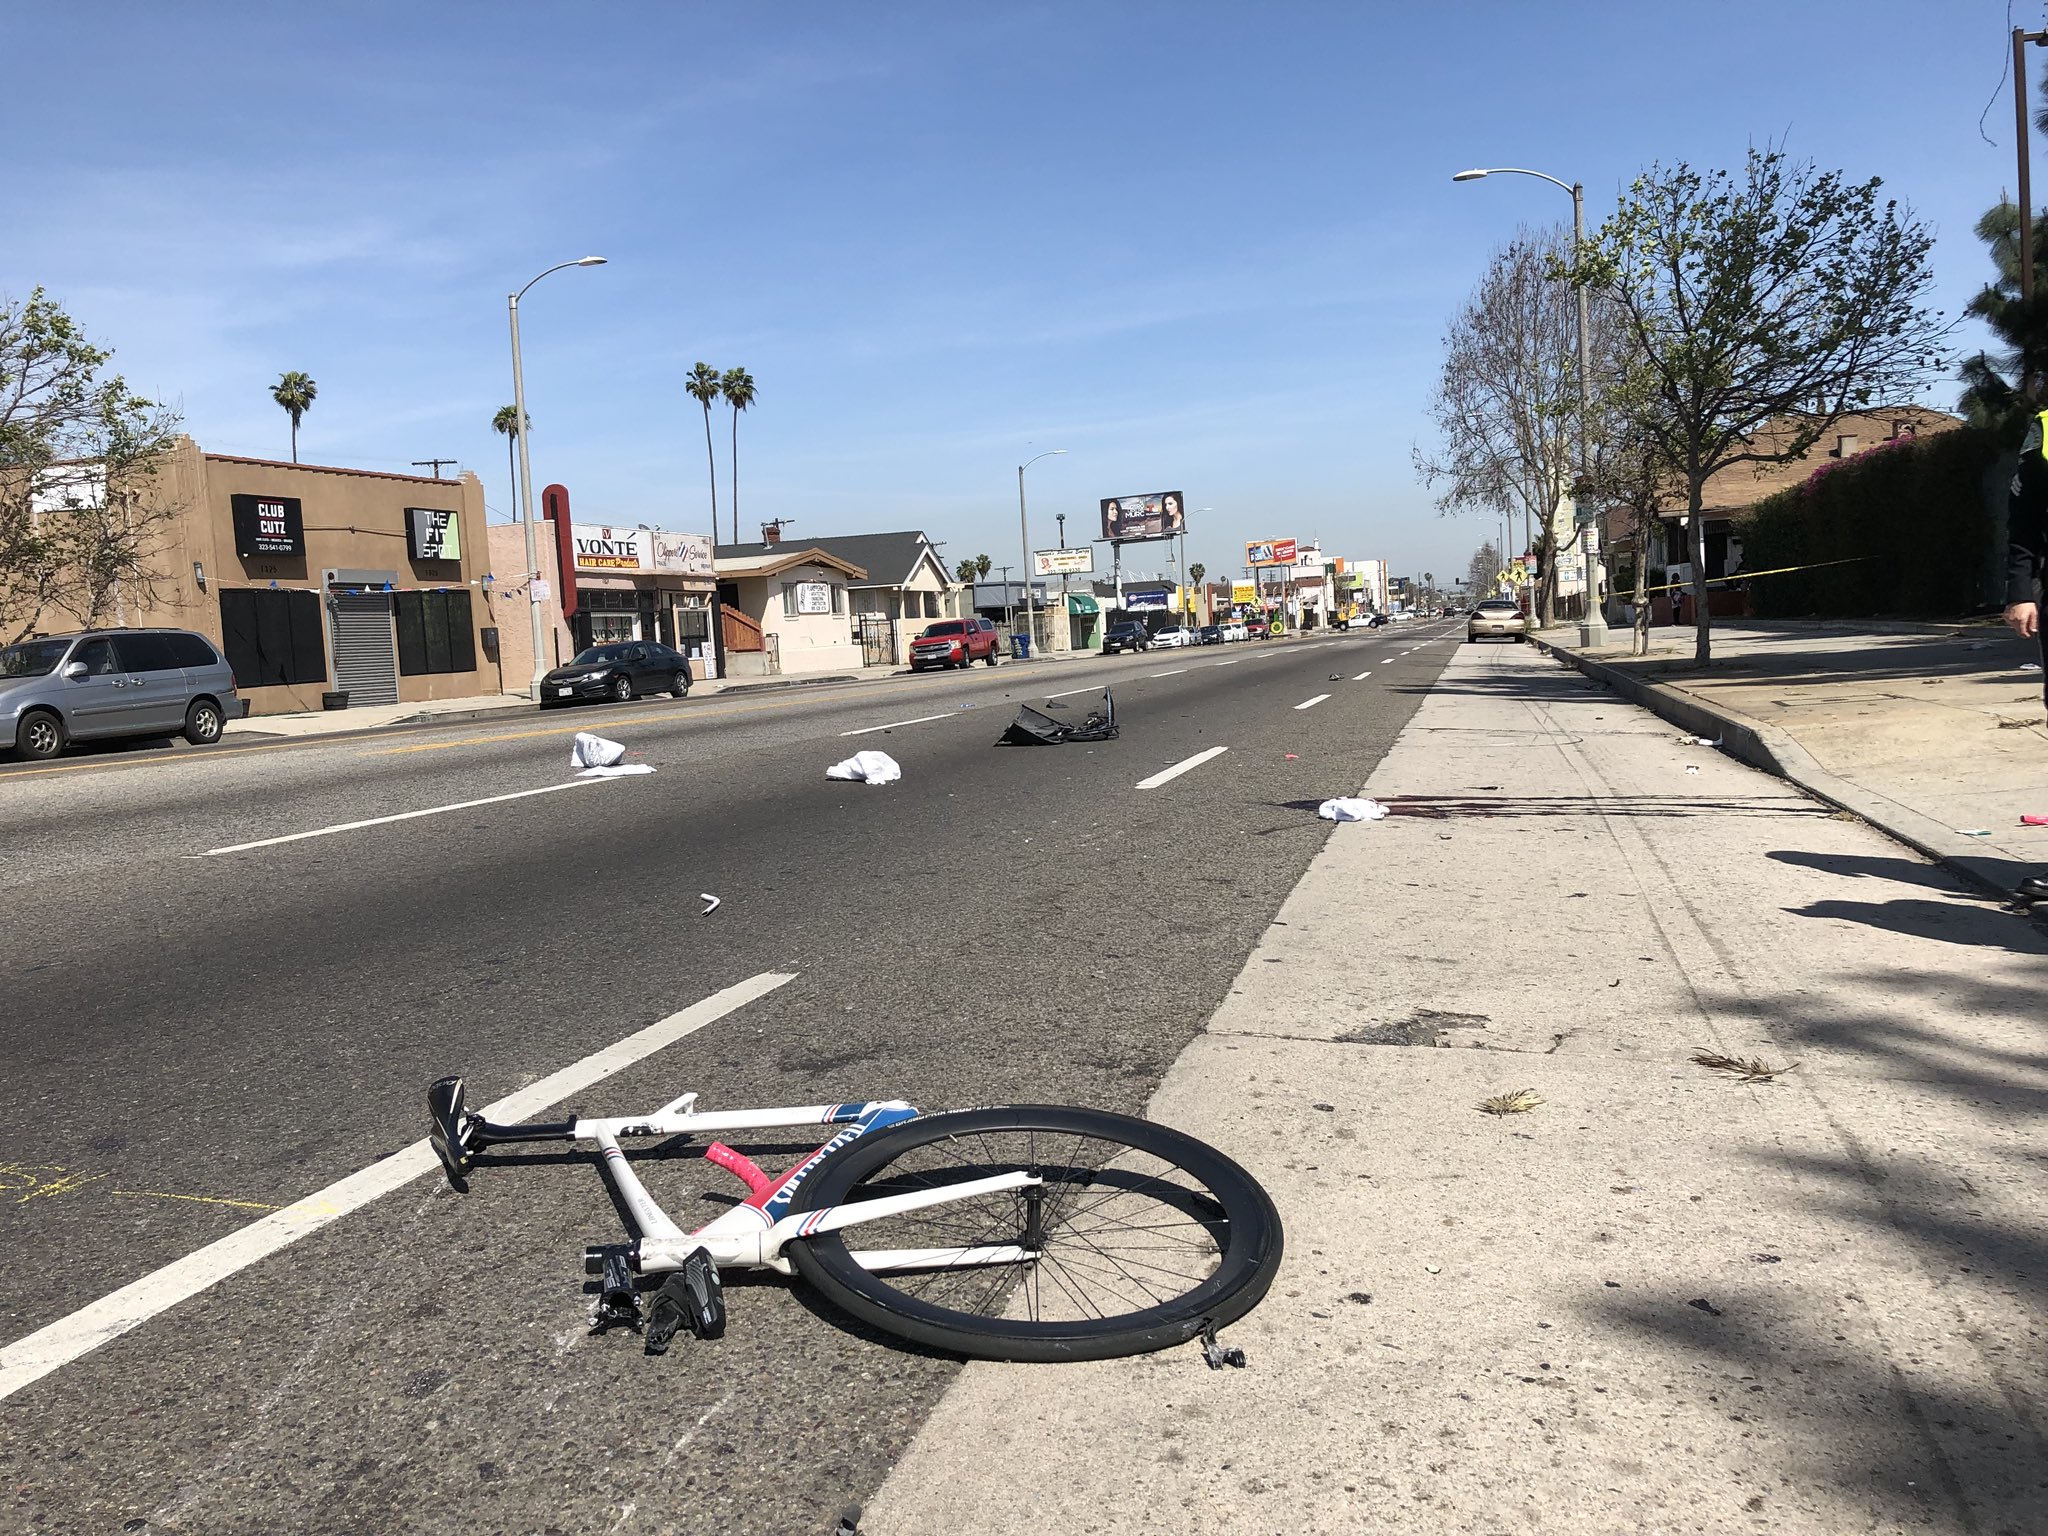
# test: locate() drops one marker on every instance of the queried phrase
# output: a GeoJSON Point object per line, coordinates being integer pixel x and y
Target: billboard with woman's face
{"type": "Point", "coordinates": [1127, 519]}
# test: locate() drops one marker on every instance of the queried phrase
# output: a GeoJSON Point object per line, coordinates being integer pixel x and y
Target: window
{"type": "Point", "coordinates": [193, 651]}
{"type": "Point", "coordinates": [148, 652]}
{"type": "Point", "coordinates": [435, 633]}
{"type": "Point", "coordinates": [838, 597]}
{"type": "Point", "coordinates": [789, 599]}
{"type": "Point", "coordinates": [272, 637]}
{"type": "Point", "coordinates": [98, 656]}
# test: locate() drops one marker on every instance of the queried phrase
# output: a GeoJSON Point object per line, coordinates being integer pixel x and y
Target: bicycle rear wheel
{"type": "Point", "coordinates": [1138, 1237]}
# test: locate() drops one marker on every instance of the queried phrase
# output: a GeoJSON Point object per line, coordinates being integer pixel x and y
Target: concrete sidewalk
{"type": "Point", "coordinates": [1664, 1300]}
{"type": "Point", "coordinates": [1934, 733]}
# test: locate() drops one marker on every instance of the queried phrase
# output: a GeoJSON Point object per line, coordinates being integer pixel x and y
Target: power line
{"type": "Point", "coordinates": [437, 463]}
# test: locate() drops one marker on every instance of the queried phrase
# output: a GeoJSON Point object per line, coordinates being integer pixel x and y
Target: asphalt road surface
{"type": "Point", "coordinates": [202, 1023]}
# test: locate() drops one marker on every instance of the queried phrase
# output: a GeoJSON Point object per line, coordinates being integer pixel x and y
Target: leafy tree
{"type": "Point", "coordinates": [2002, 391]}
{"type": "Point", "coordinates": [79, 528]}
{"type": "Point", "coordinates": [704, 386]}
{"type": "Point", "coordinates": [1775, 296]}
{"type": "Point", "coordinates": [738, 387]}
{"type": "Point", "coordinates": [507, 422]}
{"type": "Point", "coordinates": [295, 392]}
{"type": "Point", "coordinates": [966, 571]}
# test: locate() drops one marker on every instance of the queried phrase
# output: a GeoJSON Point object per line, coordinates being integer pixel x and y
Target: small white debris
{"type": "Point", "coordinates": [588, 751]}
{"type": "Point", "coordinates": [867, 768]}
{"type": "Point", "coordinates": [1351, 808]}
{"type": "Point", "coordinates": [706, 896]}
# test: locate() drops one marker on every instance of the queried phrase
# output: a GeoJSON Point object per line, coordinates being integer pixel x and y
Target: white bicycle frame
{"type": "Point", "coordinates": [753, 1234]}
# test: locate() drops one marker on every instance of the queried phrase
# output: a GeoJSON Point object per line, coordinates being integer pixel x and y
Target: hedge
{"type": "Point", "coordinates": [1921, 518]}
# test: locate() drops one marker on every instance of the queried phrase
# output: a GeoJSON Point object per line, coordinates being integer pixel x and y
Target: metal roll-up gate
{"type": "Point", "coordinates": [365, 646]}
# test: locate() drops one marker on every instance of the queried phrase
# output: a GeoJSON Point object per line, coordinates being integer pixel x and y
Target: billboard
{"type": "Point", "coordinates": [645, 550]}
{"type": "Point", "coordinates": [1243, 592]}
{"type": "Point", "coordinates": [1270, 552]}
{"type": "Point", "coordinates": [1160, 515]}
{"type": "Point", "coordinates": [1062, 562]}
{"type": "Point", "coordinates": [432, 534]}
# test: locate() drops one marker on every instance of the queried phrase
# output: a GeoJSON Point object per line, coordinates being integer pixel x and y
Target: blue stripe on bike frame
{"type": "Point", "coordinates": [864, 1120]}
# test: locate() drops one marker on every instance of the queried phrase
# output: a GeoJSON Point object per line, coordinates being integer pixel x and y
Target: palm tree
{"type": "Point", "coordinates": [295, 392]}
{"type": "Point", "coordinates": [507, 422]}
{"type": "Point", "coordinates": [1195, 574]}
{"type": "Point", "coordinates": [966, 571]}
{"type": "Point", "coordinates": [738, 385]}
{"type": "Point", "coordinates": [982, 566]}
{"type": "Point", "coordinates": [703, 386]}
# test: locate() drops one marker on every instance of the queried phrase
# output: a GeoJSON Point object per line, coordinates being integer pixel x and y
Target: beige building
{"type": "Point", "coordinates": [318, 581]}
{"type": "Point", "coordinates": [786, 611]}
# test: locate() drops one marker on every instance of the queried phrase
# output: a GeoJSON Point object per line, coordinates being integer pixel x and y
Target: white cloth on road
{"type": "Point", "coordinates": [1351, 808]}
{"type": "Point", "coordinates": [868, 767]}
{"type": "Point", "coordinates": [588, 751]}
{"type": "Point", "coordinates": [615, 770]}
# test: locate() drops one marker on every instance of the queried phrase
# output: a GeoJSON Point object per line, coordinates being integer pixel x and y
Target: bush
{"type": "Point", "coordinates": [1921, 518]}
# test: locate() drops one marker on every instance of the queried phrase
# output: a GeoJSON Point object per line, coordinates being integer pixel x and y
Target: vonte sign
{"type": "Point", "coordinates": [268, 525]}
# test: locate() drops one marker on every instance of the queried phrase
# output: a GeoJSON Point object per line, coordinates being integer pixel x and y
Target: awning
{"type": "Point", "coordinates": [1080, 602]}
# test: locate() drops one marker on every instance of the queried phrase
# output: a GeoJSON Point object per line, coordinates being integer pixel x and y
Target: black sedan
{"type": "Point", "coordinates": [1209, 634]}
{"type": "Point", "coordinates": [618, 672]}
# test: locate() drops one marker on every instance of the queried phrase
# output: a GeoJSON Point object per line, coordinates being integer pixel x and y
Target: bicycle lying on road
{"type": "Point", "coordinates": [1030, 1233]}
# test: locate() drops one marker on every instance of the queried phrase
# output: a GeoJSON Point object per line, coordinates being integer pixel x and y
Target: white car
{"type": "Point", "coordinates": [1236, 630]}
{"type": "Point", "coordinates": [1169, 638]}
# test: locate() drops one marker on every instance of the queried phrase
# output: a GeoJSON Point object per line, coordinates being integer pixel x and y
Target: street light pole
{"type": "Point", "coordinates": [1024, 535]}
{"type": "Point", "coordinates": [1593, 626]}
{"type": "Point", "coordinates": [526, 475]}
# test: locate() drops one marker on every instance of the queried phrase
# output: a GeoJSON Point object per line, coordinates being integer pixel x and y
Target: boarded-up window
{"type": "Point", "coordinates": [272, 636]}
{"type": "Point", "coordinates": [434, 633]}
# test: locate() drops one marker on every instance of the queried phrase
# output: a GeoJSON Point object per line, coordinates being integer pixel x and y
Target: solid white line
{"type": "Point", "coordinates": [1230, 663]}
{"type": "Point", "coordinates": [57, 1344]}
{"type": "Point", "coordinates": [1176, 672]}
{"type": "Point", "coordinates": [1312, 703]}
{"type": "Point", "coordinates": [1361, 677]}
{"type": "Point", "coordinates": [868, 730]}
{"type": "Point", "coordinates": [1092, 688]}
{"type": "Point", "coordinates": [1180, 768]}
{"type": "Point", "coordinates": [378, 821]}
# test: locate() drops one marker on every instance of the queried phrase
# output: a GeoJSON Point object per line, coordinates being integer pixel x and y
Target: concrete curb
{"type": "Point", "coordinates": [1777, 752]}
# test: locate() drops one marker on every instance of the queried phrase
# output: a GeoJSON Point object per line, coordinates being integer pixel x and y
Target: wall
{"type": "Point", "coordinates": [509, 603]}
{"type": "Point", "coordinates": [812, 642]}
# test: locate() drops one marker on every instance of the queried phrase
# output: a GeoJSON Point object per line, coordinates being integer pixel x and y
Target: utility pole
{"type": "Point", "coordinates": [437, 463]}
{"type": "Point", "coordinates": [2020, 39]}
{"type": "Point", "coordinates": [1009, 608]}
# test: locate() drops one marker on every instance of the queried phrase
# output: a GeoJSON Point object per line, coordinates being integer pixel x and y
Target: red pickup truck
{"type": "Point", "coordinates": [954, 643]}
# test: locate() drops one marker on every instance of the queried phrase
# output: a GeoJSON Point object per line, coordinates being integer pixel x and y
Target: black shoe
{"type": "Point", "coordinates": [2033, 888]}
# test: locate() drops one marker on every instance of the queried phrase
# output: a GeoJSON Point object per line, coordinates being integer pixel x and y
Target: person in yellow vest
{"type": "Point", "coordinates": [2026, 515]}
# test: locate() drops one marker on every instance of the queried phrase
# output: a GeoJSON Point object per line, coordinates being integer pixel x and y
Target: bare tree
{"type": "Point", "coordinates": [1482, 576]}
{"type": "Point", "coordinates": [1762, 305]}
{"type": "Point", "coordinates": [1506, 401]}
{"type": "Point", "coordinates": [80, 531]}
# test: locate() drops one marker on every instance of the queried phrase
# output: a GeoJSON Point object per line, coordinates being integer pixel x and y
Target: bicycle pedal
{"type": "Point", "coordinates": [1217, 1355]}
{"type": "Point", "coordinates": [617, 1302]}
{"type": "Point", "coordinates": [692, 1297]}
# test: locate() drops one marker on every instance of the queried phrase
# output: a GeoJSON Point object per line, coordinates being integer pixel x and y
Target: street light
{"type": "Point", "coordinates": [1024, 533]}
{"type": "Point", "coordinates": [526, 472]}
{"type": "Point", "coordinates": [1593, 627]}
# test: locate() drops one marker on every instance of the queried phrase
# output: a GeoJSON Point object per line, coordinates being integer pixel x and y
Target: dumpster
{"type": "Point", "coordinates": [1020, 647]}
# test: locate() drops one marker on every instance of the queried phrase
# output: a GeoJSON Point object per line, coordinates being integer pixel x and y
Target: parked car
{"type": "Point", "coordinates": [1377, 621]}
{"type": "Point", "coordinates": [1172, 636]}
{"type": "Point", "coordinates": [954, 643]}
{"type": "Point", "coordinates": [1125, 635]}
{"type": "Point", "coordinates": [104, 683]}
{"type": "Point", "coordinates": [1255, 629]}
{"type": "Point", "coordinates": [1497, 618]}
{"type": "Point", "coordinates": [1236, 629]}
{"type": "Point", "coordinates": [622, 670]}
{"type": "Point", "coordinates": [1209, 634]}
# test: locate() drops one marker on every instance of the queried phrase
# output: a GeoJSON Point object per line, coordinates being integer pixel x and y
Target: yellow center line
{"type": "Point", "coordinates": [158, 1194]}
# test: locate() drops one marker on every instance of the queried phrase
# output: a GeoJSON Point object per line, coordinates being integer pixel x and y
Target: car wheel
{"type": "Point", "coordinates": [681, 686]}
{"type": "Point", "coordinates": [40, 735]}
{"type": "Point", "coordinates": [203, 723]}
{"type": "Point", "coordinates": [990, 658]}
{"type": "Point", "coordinates": [621, 689]}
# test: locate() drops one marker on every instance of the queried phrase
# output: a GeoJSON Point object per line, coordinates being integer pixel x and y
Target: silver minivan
{"type": "Point", "coordinates": [113, 682]}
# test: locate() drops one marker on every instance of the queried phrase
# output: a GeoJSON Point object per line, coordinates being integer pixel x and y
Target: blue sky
{"type": "Point", "coordinates": [1201, 247]}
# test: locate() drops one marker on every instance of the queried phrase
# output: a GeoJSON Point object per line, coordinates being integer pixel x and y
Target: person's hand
{"type": "Point", "coordinates": [2025, 619]}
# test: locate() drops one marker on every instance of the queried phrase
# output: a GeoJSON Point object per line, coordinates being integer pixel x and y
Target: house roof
{"type": "Point", "coordinates": [1739, 487]}
{"type": "Point", "coordinates": [768, 560]}
{"type": "Point", "coordinates": [885, 559]}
